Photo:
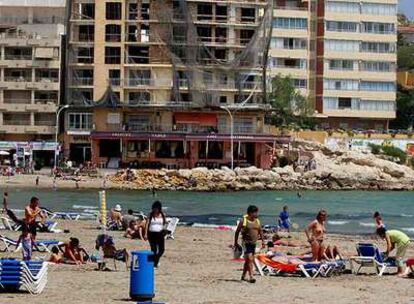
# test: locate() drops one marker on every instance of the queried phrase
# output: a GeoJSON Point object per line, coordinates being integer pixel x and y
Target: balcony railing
{"type": "Point", "coordinates": [45, 101]}
{"type": "Point", "coordinates": [133, 82]}
{"type": "Point", "coordinates": [115, 81]}
{"type": "Point", "coordinates": [291, 8]}
{"type": "Point", "coordinates": [83, 81]}
{"type": "Point", "coordinates": [21, 122]}
{"type": "Point", "coordinates": [113, 37]}
{"type": "Point", "coordinates": [47, 79]}
{"type": "Point", "coordinates": [17, 79]}
{"type": "Point", "coordinates": [17, 101]}
{"type": "Point", "coordinates": [17, 57]}
{"type": "Point", "coordinates": [45, 122]}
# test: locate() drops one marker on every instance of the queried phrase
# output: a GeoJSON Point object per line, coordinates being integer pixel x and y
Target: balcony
{"type": "Point", "coordinates": [82, 81]}
{"type": "Point", "coordinates": [116, 82]}
{"type": "Point", "coordinates": [18, 57]}
{"type": "Point", "coordinates": [21, 122]}
{"type": "Point", "coordinates": [16, 101]}
{"type": "Point", "coordinates": [137, 82]}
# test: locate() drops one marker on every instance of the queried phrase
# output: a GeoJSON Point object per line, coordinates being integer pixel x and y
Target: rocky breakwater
{"type": "Point", "coordinates": [335, 170]}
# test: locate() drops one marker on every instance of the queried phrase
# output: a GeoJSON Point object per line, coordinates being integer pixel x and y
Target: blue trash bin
{"type": "Point", "coordinates": [142, 276]}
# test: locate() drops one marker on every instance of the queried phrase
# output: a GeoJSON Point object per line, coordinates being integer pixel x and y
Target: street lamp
{"type": "Point", "coordinates": [60, 109]}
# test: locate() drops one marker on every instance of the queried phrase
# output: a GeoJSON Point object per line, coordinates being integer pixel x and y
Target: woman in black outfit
{"type": "Point", "coordinates": [155, 231]}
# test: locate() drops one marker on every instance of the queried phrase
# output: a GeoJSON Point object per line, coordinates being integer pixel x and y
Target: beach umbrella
{"type": "Point", "coordinates": [4, 152]}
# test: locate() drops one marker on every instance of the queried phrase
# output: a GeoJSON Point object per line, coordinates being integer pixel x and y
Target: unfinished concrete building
{"type": "Point", "coordinates": [163, 83]}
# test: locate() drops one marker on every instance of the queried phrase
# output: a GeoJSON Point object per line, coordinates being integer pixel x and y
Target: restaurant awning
{"type": "Point", "coordinates": [204, 119]}
{"type": "Point", "coordinates": [259, 138]}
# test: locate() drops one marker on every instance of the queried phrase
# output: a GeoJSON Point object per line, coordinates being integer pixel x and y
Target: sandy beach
{"type": "Point", "coordinates": [197, 268]}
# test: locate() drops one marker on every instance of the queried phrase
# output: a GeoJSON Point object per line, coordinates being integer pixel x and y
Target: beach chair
{"type": "Point", "coordinates": [73, 216]}
{"type": "Point", "coordinates": [267, 266]}
{"type": "Point", "coordinates": [28, 275]}
{"type": "Point", "coordinates": [39, 246]}
{"type": "Point", "coordinates": [171, 226]}
{"type": "Point", "coordinates": [370, 256]}
{"type": "Point", "coordinates": [8, 244]}
{"type": "Point", "coordinates": [8, 224]}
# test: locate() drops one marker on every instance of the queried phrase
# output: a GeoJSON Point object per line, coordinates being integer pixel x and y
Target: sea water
{"type": "Point", "coordinates": [349, 212]}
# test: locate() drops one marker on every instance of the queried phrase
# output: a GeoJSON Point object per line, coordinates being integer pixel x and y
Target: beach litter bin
{"type": "Point", "coordinates": [142, 276]}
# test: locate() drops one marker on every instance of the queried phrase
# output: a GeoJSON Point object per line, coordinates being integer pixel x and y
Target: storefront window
{"type": "Point", "coordinates": [214, 150]}
{"type": "Point", "coordinates": [169, 149]}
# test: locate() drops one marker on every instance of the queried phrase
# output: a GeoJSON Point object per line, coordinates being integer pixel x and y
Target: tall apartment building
{"type": "Point", "coordinates": [342, 54]}
{"type": "Point", "coordinates": [158, 82]}
{"type": "Point", "coordinates": [30, 68]}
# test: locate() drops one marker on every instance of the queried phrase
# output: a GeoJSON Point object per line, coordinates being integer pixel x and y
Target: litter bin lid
{"type": "Point", "coordinates": [141, 252]}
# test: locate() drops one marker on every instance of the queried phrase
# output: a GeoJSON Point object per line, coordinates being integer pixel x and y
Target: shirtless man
{"type": "Point", "coordinates": [31, 212]}
{"type": "Point", "coordinates": [315, 233]}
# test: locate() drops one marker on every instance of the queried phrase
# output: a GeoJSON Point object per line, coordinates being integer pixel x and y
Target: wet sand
{"type": "Point", "coordinates": [197, 268]}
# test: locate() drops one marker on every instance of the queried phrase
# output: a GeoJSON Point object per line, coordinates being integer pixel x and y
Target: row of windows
{"type": "Point", "coordinates": [364, 27]}
{"type": "Point", "coordinates": [289, 43]}
{"type": "Point", "coordinates": [364, 8]}
{"type": "Point", "coordinates": [335, 103]}
{"type": "Point", "coordinates": [290, 23]}
{"type": "Point", "coordinates": [354, 65]}
{"type": "Point", "coordinates": [358, 46]}
{"type": "Point", "coordinates": [357, 85]}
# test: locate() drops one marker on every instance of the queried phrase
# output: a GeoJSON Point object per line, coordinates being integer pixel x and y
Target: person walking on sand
{"type": "Point", "coordinates": [155, 231]}
{"type": "Point", "coordinates": [395, 240]}
{"type": "Point", "coordinates": [31, 213]}
{"type": "Point", "coordinates": [251, 231]}
{"type": "Point", "coordinates": [315, 233]}
{"type": "Point", "coordinates": [26, 241]}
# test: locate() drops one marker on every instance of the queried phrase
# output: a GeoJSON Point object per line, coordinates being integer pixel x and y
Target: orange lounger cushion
{"type": "Point", "coordinates": [277, 265]}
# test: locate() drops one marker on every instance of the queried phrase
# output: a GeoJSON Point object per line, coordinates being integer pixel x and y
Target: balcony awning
{"type": "Point", "coordinates": [203, 119]}
{"type": "Point", "coordinates": [254, 138]}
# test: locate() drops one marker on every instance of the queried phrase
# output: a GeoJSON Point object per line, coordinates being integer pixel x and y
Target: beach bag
{"type": "Point", "coordinates": [237, 252]}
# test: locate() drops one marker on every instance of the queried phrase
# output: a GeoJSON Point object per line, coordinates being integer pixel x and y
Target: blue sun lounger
{"type": "Point", "coordinates": [370, 256]}
{"type": "Point", "coordinates": [40, 245]}
{"type": "Point", "coordinates": [18, 275]}
{"type": "Point", "coordinates": [74, 216]}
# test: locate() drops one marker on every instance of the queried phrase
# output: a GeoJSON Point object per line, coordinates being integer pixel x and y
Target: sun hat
{"type": "Point", "coordinates": [118, 208]}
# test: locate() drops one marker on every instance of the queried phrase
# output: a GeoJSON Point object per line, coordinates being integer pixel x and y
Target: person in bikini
{"type": "Point", "coordinates": [251, 231]}
{"type": "Point", "coordinates": [315, 234]}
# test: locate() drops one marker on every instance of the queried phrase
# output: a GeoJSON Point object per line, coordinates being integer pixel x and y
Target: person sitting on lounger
{"type": "Point", "coordinates": [127, 219]}
{"type": "Point", "coordinates": [395, 240]}
{"type": "Point", "coordinates": [278, 241]}
{"type": "Point", "coordinates": [72, 252]}
{"type": "Point", "coordinates": [315, 233]}
{"type": "Point", "coordinates": [109, 250]}
{"type": "Point", "coordinates": [56, 256]}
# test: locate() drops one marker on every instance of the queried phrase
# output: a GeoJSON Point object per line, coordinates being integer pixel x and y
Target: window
{"type": "Point", "coordinates": [248, 14]}
{"type": "Point", "coordinates": [292, 23]}
{"type": "Point", "coordinates": [341, 26]}
{"type": "Point", "coordinates": [377, 47]}
{"type": "Point", "coordinates": [299, 83]}
{"type": "Point", "coordinates": [112, 55]}
{"type": "Point", "coordinates": [378, 105]}
{"type": "Point", "coordinates": [380, 86]}
{"type": "Point", "coordinates": [344, 102]}
{"type": "Point", "coordinates": [223, 99]}
{"type": "Point", "coordinates": [80, 121]}
{"type": "Point", "coordinates": [337, 64]}
{"type": "Point", "coordinates": [114, 77]}
{"type": "Point", "coordinates": [145, 11]}
{"type": "Point", "coordinates": [137, 54]}
{"type": "Point", "coordinates": [221, 13]}
{"type": "Point", "coordinates": [289, 43]}
{"type": "Point", "coordinates": [86, 33]}
{"type": "Point", "coordinates": [85, 55]}
{"type": "Point", "coordinates": [204, 12]}
{"type": "Point", "coordinates": [342, 7]}
{"type": "Point", "coordinates": [376, 66]}
{"type": "Point", "coordinates": [87, 10]}
{"type": "Point", "coordinates": [132, 11]}
{"type": "Point", "coordinates": [341, 84]}
{"type": "Point", "coordinates": [113, 11]}
{"type": "Point", "coordinates": [113, 33]}
{"type": "Point", "coordinates": [291, 63]}
{"type": "Point", "coordinates": [378, 28]}
{"type": "Point", "coordinates": [342, 45]}
{"type": "Point", "coordinates": [136, 98]}
{"type": "Point", "coordinates": [379, 9]}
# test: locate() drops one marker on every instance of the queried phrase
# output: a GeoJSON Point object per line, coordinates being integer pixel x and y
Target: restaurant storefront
{"type": "Point", "coordinates": [171, 150]}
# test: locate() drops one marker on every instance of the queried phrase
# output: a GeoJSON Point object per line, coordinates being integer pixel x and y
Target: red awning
{"type": "Point", "coordinates": [204, 119]}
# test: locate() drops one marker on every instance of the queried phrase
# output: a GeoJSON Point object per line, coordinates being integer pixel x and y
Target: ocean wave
{"type": "Point", "coordinates": [367, 224]}
{"type": "Point", "coordinates": [338, 223]}
{"type": "Point", "coordinates": [406, 215]}
{"type": "Point", "coordinates": [84, 207]}
{"type": "Point", "coordinates": [278, 199]}
{"type": "Point", "coordinates": [212, 218]}
{"type": "Point", "coordinates": [409, 229]}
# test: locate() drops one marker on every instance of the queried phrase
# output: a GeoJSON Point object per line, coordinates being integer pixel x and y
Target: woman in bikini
{"type": "Point", "coordinates": [315, 233]}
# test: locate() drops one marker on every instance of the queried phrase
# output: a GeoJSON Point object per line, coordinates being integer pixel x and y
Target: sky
{"type": "Point", "coordinates": [407, 7]}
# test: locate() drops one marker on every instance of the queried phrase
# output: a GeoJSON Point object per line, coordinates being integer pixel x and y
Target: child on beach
{"type": "Point", "coordinates": [26, 241]}
{"type": "Point", "coordinates": [56, 256]}
{"type": "Point", "coordinates": [284, 221]}
{"type": "Point", "coordinates": [378, 220]}
{"type": "Point", "coordinates": [251, 231]}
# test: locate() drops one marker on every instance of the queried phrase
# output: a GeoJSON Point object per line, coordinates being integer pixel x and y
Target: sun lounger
{"type": "Point", "coordinates": [28, 275]}
{"type": "Point", "coordinates": [74, 216]}
{"type": "Point", "coordinates": [370, 256]}
{"type": "Point", "coordinates": [267, 266]}
{"type": "Point", "coordinates": [171, 226]}
{"type": "Point", "coordinates": [8, 224]}
{"type": "Point", "coordinates": [40, 245]}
